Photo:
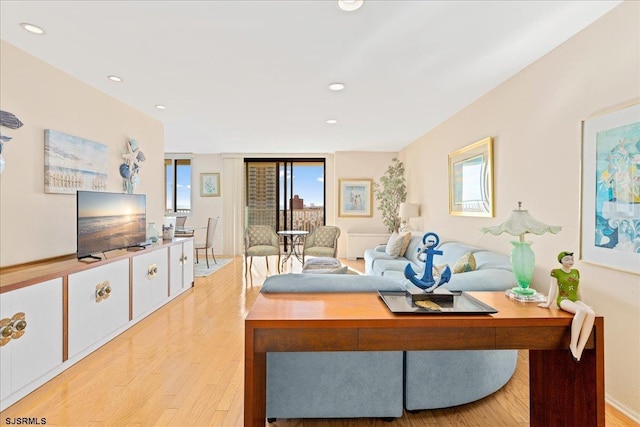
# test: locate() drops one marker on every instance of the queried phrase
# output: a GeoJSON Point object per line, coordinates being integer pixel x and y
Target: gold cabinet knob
{"type": "Point", "coordinates": [103, 290]}
{"type": "Point", "coordinates": [21, 325]}
{"type": "Point", "coordinates": [12, 328]}
{"type": "Point", "coordinates": [152, 271]}
{"type": "Point", "coordinates": [7, 331]}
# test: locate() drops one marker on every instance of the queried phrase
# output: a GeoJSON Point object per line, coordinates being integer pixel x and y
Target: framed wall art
{"type": "Point", "coordinates": [610, 189]}
{"type": "Point", "coordinates": [471, 180]}
{"type": "Point", "coordinates": [209, 184]}
{"type": "Point", "coordinates": [355, 198]}
{"type": "Point", "coordinates": [72, 163]}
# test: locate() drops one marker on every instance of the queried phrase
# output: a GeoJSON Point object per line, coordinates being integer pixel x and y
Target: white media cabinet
{"type": "Point", "coordinates": [55, 312]}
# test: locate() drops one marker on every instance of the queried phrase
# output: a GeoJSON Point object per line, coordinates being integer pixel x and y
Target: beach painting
{"type": "Point", "coordinates": [72, 163]}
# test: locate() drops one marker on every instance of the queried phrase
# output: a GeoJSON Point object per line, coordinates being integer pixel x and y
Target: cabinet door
{"type": "Point", "coordinates": [176, 261]}
{"type": "Point", "coordinates": [181, 266]}
{"type": "Point", "coordinates": [188, 266]}
{"type": "Point", "coordinates": [39, 349]}
{"type": "Point", "coordinates": [150, 280]}
{"type": "Point", "coordinates": [98, 304]}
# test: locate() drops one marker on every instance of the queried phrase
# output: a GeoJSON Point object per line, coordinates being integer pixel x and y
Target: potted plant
{"type": "Point", "coordinates": [390, 192]}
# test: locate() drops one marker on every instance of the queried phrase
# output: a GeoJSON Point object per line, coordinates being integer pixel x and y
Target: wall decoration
{"type": "Point", "coordinates": [471, 180]}
{"type": "Point", "coordinates": [610, 187]}
{"type": "Point", "coordinates": [131, 167]}
{"type": "Point", "coordinates": [72, 163]}
{"type": "Point", "coordinates": [209, 184]}
{"type": "Point", "coordinates": [10, 121]}
{"type": "Point", "coordinates": [355, 198]}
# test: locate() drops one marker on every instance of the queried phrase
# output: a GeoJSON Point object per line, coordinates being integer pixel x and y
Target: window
{"type": "Point", "coordinates": [177, 174]}
{"type": "Point", "coordinates": [287, 194]}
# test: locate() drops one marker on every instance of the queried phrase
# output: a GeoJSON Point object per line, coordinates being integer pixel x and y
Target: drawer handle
{"type": "Point", "coordinates": [152, 271]}
{"type": "Point", "coordinates": [12, 328]}
{"type": "Point", "coordinates": [103, 291]}
{"type": "Point", "coordinates": [183, 259]}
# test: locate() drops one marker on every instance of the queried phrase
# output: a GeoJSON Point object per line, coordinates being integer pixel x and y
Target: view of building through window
{"type": "Point", "coordinates": [287, 195]}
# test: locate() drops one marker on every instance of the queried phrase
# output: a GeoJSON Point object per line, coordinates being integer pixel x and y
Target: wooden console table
{"type": "Point", "coordinates": [562, 392]}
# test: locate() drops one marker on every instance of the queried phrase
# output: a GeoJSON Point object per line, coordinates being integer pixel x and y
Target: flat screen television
{"type": "Point", "coordinates": [108, 221]}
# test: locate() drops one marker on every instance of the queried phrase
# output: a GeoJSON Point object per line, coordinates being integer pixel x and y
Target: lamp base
{"type": "Point", "coordinates": [523, 291]}
{"type": "Point", "coordinates": [532, 297]}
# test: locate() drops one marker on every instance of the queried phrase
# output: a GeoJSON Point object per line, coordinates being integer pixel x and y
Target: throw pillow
{"type": "Point", "coordinates": [405, 244]}
{"type": "Point", "coordinates": [394, 245]}
{"type": "Point", "coordinates": [467, 262]}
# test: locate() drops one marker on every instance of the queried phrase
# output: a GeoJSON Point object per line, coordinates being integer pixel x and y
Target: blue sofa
{"type": "Point", "coordinates": [333, 384]}
{"type": "Point", "coordinates": [380, 384]}
{"type": "Point", "coordinates": [492, 272]}
{"type": "Point", "coordinates": [469, 375]}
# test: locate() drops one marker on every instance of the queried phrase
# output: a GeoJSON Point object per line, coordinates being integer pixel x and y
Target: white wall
{"type": "Point", "coordinates": [535, 120]}
{"type": "Point", "coordinates": [35, 225]}
{"type": "Point", "coordinates": [356, 165]}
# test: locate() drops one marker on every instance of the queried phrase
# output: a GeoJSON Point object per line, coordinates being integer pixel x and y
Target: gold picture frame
{"type": "Point", "coordinates": [471, 180]}
{"type": "Point", "coordinates": [355, 198]}
{"type": "Point", "coordinates": [210, 185]}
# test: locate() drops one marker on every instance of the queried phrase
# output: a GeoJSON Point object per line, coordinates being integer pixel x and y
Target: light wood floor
{"type": "Point", "coordinates": [183, 366]}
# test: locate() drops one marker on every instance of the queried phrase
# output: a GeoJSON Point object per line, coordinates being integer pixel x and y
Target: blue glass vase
{"type": "Point", "coordinates": [523, 262]}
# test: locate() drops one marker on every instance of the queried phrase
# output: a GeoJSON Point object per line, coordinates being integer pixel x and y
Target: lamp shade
{"type": "Point", "coordinates": [519, 223]}
{"type": "Point", "coordinates": [409, 210]}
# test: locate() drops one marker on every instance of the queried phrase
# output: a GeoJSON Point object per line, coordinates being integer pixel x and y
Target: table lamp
{"type": "Point", "coordinates": [406, 211]}
{"type": "Point", "coordinates": [519, 223]}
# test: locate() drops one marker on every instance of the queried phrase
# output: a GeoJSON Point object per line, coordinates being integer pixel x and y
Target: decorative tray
{"type": "Point", "coordinates": [463, 303]}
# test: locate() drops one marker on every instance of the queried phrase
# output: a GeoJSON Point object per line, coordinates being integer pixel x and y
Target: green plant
{"type": "Point", "coordinates": [390, 192]}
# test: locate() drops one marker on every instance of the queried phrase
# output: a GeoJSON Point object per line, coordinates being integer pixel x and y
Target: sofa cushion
{"type": "Point", "coordinates": [286, 283]}
{"type": "Point", "coordinates": [452, 251]}
{"type": "Point", "coordinates": [465, 263]}
{"type": "Point", "coordinates": [488, 260]}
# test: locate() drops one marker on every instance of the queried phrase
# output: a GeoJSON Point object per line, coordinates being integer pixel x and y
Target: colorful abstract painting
{"type": "Point", "coordinates": [610, 212]}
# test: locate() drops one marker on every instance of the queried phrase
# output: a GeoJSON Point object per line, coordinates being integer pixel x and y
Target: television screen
{"type": "Point", "coordinates": [108, 221]}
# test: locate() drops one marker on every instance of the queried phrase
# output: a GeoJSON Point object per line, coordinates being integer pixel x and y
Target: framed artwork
{"type": "Point", "coordinates": [355, 198]}
{"type": "Point", "coordinates": [471, 180]}
{"type": "Point", "coordinates": [610, 189]}
{"type": "Point", "coordinates": [72, 163]}
{"type": "Point", "coordinates": [210, 185]}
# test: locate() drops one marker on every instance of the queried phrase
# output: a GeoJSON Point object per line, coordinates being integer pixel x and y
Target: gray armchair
{"type": "Point", "coordinates": [260, 240]}
{"type": "Point", "coordinates": [322, 242]}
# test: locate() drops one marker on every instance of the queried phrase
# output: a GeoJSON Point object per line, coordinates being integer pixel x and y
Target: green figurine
{"type": "Point", "coordinates": [563, 289]}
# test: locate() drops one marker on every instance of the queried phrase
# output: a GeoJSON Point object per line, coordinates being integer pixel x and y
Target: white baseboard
{"type": "Point", "coordinates": [634, 416]}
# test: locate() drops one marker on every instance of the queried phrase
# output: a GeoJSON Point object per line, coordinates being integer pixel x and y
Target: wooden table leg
{"type": "Point", "coordinates": [255, 383]}
{"type": "Point", "coordinates": [565, 392]}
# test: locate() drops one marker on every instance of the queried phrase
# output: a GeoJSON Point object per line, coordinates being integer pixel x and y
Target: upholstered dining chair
{"type": "Point", "coordinates": [180, 230]}
{"type": "Point", "coordinates": [323, 241]}
{"type": "Point", "coordinates": [260, 240]}
{"type": "Point", "coordinates": [208, 243]}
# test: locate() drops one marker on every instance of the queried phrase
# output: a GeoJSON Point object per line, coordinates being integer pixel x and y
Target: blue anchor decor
{"type": "Point", "coordinates": [427, 282]}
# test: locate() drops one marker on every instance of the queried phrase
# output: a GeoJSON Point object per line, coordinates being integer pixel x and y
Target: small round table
{"type": "Point", "coordinates": [295, 238]}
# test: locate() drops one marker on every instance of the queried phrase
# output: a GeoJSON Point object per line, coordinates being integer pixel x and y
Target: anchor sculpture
{"type": "Point", "coordinates": [427, 282]}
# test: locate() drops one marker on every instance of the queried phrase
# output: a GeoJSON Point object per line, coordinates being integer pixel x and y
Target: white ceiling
{"type": "Point", "coordinates": [251, 76]}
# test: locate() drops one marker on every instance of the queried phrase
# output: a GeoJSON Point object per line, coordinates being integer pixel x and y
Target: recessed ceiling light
{"type": "Point", "coordinates": [115, 78]}
{"type": "Point", "coordinates": [332, 121]}
{"type": "Point", "coordinates": [160, 107]}
{"type": "Point", "coordinates": [350, 5]}
{"type": "Point", "coordinates": [336, 86]}
{"type": "Point", "coordinates": [32, 28]}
